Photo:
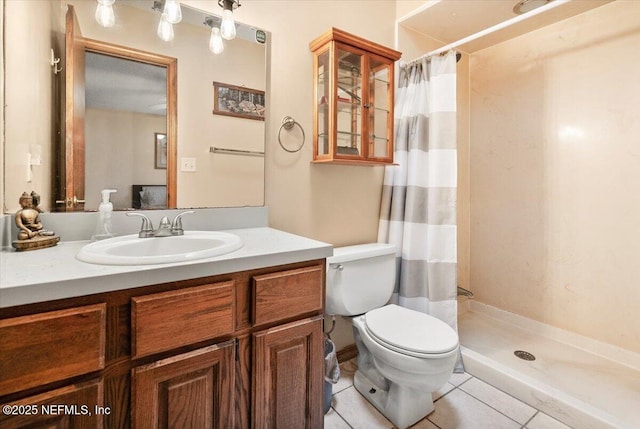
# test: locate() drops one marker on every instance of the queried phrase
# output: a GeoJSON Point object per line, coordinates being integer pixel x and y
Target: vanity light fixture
{"type": "Point", "coordinates": [165, 25]}
{"type": "Point", "coordinates": [228, 25]}
{"type": "Point", "coordinates": [172, 12]}
{"type": "Point", "coordinates": [525, 6]}
{"type": "Point", "coordinates": [216, 44]}
{"type": "Point", "coordinates": [104, 13]}
{"type": "Point", "coordinates": [165, 29]}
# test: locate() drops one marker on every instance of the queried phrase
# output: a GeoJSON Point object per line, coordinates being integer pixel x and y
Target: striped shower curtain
{"type": "Point", "coordinates": [418, 208]}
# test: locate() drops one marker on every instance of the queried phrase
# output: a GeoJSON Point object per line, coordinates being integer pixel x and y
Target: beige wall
{"type": "Point", "coordinates": [555, 168]}
{"type": "Point", "coordinates": [121, 154]}
{"type": "Point", "coordinates": [28, 53]}
{"type": "Point", "coordinates": [2, 102]}
{"type": "Point", "coordinates": [337, 204]}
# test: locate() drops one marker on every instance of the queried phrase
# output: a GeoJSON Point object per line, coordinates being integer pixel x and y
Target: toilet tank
{"type": "Point", "coordinates": [360, 278]}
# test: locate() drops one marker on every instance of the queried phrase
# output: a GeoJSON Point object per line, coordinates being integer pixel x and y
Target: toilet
{"type": "Point", "coordinates": [403, 355]}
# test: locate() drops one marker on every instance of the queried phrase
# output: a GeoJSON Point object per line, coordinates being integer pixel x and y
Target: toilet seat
{"type": "Point", "coordinates": [410, 332]}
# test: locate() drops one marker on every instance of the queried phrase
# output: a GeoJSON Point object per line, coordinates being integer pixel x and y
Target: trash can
{"type": "Point", "coordinates": [331, 372]}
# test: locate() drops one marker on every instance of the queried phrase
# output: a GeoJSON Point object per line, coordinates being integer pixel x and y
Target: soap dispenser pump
{"type": "Point", "coordinates": [103, 229]}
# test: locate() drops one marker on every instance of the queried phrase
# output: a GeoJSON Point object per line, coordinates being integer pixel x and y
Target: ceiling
{"type": "Point", "coordinates": [114, 83]}
{"type": "Point", "coordinates": [451, 20]}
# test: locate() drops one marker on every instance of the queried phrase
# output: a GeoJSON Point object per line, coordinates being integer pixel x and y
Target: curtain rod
{"type": "Point", "coordinates": [551, 5]}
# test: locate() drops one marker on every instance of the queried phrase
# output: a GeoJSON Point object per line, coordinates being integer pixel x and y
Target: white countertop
{"type": "Point", "coordinates": [55, 273]}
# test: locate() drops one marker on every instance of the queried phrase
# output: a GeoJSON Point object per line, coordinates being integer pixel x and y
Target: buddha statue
{"type": "Point", "coordinates": [31, 232]}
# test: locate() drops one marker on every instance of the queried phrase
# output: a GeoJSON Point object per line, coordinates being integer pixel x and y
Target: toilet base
{"type": "Point", "coordinates": [402, 405]}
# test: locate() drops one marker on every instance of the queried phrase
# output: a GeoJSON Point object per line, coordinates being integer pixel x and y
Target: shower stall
{"type": "Point", "coordinates": [548, 235]}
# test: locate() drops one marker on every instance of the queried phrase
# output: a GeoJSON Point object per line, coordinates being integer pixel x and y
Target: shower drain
{"type": "Point", "coordinates": [524, 355]}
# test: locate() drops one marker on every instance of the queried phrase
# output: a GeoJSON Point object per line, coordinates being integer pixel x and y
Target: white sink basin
{"type": "Point", "coordinates": [132, 250]}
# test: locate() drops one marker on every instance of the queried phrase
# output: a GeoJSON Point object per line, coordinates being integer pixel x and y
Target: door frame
{"type": "Point", "coordinates": [171, 65]}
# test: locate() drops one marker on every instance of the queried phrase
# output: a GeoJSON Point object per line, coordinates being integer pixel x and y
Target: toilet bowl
{"type": "Point", "coordinates": [403, 355]}
{"type": "Point", "coordinates": [410, 375]}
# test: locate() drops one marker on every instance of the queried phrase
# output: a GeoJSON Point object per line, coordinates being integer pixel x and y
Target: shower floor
{"type": "Point", "coordinates": [577, 387]}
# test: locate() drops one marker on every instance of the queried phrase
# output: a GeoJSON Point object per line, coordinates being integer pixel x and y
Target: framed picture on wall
{"type": "Point", "coordinates": [161, 151]}
{"type": "Point", "coordinates": [238, 101]}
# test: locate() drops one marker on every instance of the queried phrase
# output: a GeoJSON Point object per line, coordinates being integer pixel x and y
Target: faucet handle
{"type": "Point", "coordinates": [164, 223]}
{"type": "Point", "coordinates": [176, 225]}
{"type": "Point", "coordinates": [146, 229]}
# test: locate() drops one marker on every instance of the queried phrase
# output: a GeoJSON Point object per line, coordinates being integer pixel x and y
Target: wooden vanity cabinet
{"type": "Point", "coordinates": [353, 100]}
{"type": "Point", "coordinates": [240, 350]}
{"type": "Point", "coordinates": [288, 359]}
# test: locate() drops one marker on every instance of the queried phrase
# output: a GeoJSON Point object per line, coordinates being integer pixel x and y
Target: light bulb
{"type": "Point", "coordinates": [172, 11]}
{"type": "Point", "coordinates": [215, 41]}
{"type": "Point", "coordinates": [165, 30]}
{"type": "Point", "coordinates": [228, 25]}
{"type": "Point", "coordinates": [105, 15]}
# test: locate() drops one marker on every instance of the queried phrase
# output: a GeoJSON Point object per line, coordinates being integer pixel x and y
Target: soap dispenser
{"type": "Point", "coordinates": [103, 229]}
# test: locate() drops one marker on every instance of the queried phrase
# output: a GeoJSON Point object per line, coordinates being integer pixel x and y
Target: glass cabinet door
{"type": "Point", "coordinates": [323, 91]}
{"type": "Point", "coordinates": [379, 111]}
{"type": "Point", "coordinates": [349, 66]}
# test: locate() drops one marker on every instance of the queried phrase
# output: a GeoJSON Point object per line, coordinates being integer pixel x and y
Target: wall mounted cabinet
{"type": "Point", "coordinates": [353, 99]}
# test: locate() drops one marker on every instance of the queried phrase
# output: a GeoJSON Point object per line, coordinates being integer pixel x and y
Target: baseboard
{"type": "Point", "coordinates": [347, 353]}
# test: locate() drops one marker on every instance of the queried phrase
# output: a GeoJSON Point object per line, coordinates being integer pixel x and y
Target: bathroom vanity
{"type": "Point", "coordinates": [230, 341]}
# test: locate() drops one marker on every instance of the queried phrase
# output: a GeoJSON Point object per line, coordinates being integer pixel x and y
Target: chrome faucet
{"type": "Point", "coordinates": [146, 229]}
{"type": "Point", "coordinates": [165, 229]}
{"type": "Point", "coordinates": [176, 225]}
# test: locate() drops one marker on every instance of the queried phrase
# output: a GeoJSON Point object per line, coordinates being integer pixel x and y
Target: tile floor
{"type": "Point", "coordinates": [465, 402]}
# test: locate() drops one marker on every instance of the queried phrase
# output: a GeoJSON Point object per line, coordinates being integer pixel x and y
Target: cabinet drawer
{"type": "Point", "coordinates": [286, 294]}
{"type": "Point", "coordinates": [46, 347]}
{"type": "Point", "coordinates": [43, 410]}
{"type": "Point", "coordinates": [164, 321]}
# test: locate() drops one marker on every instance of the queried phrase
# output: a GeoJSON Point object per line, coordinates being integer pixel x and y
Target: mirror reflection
{"type": "Point", "coordinates": [126, 123]}
{"type": "Point", "coordinates": [126, 111]}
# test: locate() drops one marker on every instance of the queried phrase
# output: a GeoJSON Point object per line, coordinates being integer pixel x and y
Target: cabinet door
{"type": "Point", "coordinates": [191, 390]}
{"type": "Point", "coordinates": [288, 376]}
{"type": "Point", "coordinates": [379, 108]}
{"type": "Point", "coordinates": [73, 407]}
{"type": "Point", "coordinates": [349, 101]}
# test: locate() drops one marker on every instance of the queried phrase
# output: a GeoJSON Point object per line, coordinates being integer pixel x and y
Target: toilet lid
{"type": "Point", "coordinates": [410, 330]}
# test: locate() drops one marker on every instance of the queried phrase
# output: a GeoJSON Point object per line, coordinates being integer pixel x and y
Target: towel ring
{"type": "Point", "coordinates": [287, 123]}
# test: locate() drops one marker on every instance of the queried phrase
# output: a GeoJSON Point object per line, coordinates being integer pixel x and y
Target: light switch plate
{"type": "Point", "coordinates": [188, 164]}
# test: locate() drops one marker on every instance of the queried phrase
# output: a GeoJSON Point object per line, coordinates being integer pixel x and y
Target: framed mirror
{"type": "Point", "coordinates": [113, 158]}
